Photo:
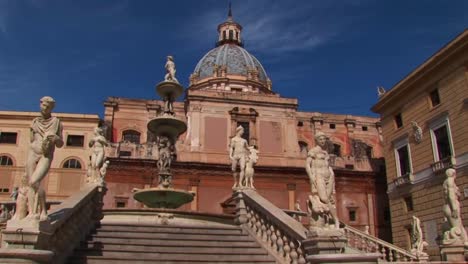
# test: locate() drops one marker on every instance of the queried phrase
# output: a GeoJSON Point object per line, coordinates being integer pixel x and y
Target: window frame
{"type": "Point", "coordinates": [133, 134]}
{"type": "Point", "coordinates": [396, 146]}
{"type": "Point", "coordinates": [434, 125]}
{"type": "Point", "coordinates": [75, 146]}
{"type": "Point", "coordinates": [72, 168]}
{"type": "Point", "coordinates": [431, 101]}
{"type": "Point", "coordinates": [9, 132]}
{"type": "Point", "coordinates": [8, 158]}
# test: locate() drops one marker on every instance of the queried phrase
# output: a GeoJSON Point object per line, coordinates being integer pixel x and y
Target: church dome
{"type": "Point", "coordinates": [236, 59]}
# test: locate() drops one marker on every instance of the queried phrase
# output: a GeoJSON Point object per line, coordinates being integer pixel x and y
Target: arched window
{"type": "Point", "coordinates": [6, 161]}
{"type": "Point", "coordinates": [303, 147]}
{"type": "Point", "coordinates": [131, 136]}
{"type": "Point", "coordinates": [72, 164]}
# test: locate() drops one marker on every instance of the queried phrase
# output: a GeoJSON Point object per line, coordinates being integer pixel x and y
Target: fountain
{"type": "Point", "coordinates": [167, 128]}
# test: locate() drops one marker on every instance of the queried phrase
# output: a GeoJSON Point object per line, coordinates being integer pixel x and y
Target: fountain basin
{"type": "Point", "coordinates": [163, 198]}
{"type": "Point", "coordinates": [168, 88]}
{"type": "Point", "coordinates": [168, 126]}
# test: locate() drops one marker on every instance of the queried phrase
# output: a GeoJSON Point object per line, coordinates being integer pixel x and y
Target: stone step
{"type": "Point", "coordinates": [170, 229]}
{"type": "Point", "coordinates": [152, 242]}
{"type": "Point", "coordinates": [180, 236]}
{"type": "Point", "coordinates": [111, 256]}
{"type": "Point", "coordinates": [185, 249]}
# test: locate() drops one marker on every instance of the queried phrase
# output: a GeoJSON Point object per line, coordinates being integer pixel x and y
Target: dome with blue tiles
{"type": "Point", "coordinates": [236, 59]}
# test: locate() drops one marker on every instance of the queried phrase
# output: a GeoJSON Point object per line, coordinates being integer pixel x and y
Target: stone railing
{"type": "Point", "coordinates": [131, 150]}
{"type": "Point", "coordinates": [369, 244]}
{"type": "Point", "coordinates": [278, 233]}
{"type": "Point", "coordinates": [442, 165]}
{"type": "Point", "coordinates": [53, 240]}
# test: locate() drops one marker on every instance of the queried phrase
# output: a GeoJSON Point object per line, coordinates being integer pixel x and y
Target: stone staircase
{"type": "Point", "coordinates": [147, 243]}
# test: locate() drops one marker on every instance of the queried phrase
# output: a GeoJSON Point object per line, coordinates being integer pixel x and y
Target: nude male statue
{"type": "Point", "coordinates": [46, 134]}
{"type": "Point", "coordinates": [238, 149]}
{"type": "Point", "coordinates": [170, 69]}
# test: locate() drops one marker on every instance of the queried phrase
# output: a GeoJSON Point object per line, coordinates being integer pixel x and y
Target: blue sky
{"type": "Point", "coordinates": [330, 54]}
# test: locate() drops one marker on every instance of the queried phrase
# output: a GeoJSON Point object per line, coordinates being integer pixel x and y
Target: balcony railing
{"type": "Point", "coordinates": [402, 180]}
{"type": "Point", "coordinates": [442, 165]}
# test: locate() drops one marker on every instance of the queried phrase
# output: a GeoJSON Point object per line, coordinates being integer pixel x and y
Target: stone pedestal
{"type": "Point", "coordinates": [25, 233]}
{"type": "Point", "coordinates": [329, 246]}
{"type": "Point", "coordinates": [454, 252]}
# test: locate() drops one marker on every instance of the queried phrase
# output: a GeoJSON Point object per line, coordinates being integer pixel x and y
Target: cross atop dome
{"type": "Point", "coordinates": [229, 31]}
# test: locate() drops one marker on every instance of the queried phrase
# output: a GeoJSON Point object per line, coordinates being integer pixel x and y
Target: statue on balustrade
{"type": "Point", "coordinates": [417, 242]}
{"type": "Point", "coordinates": [251, 159]}
{"type": "Point", "coordinates": [98, 168]}
{"type": "Point", "coordinates": [321, 203]}
{"type": "Point", "coordinates": [46, 135]}
{"type": "Point", "coordinates": [238, 151]}
{"type": "Point", "coordinates": [455, 232]}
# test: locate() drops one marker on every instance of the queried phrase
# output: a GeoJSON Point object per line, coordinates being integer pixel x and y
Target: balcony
{"type": "Point", "coordinates": [440, 166]}
{"type": "Point", "coordinates": [403, 180]}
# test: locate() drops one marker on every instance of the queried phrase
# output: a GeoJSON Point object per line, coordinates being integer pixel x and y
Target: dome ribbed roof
{"type": "Point", "coordinates": [237, 60]}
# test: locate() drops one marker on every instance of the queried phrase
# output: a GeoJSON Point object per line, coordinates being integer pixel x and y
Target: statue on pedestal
{"type": "Point", "coordinates": [238, 150]}
{"type": "Point", "coordinates": [321, 203]}
{"type": "Point", "coordinates": [98, 168]}
{"type": "Point", "coordinates": [46, 135]}
{"type": "Point", "coordinates": [417, 241]}
{"type": "Point", "coordinates": [456, 233]}
{"type": "Point", "coordinates": [170, 69]}
{"type": "Point", "coordinates": [251, 160]}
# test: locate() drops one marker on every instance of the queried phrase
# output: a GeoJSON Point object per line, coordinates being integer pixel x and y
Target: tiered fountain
{"type": "Point", "coordinates": [167, 128]}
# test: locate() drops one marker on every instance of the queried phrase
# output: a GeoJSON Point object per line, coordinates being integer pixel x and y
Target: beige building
{"type": "Point", "coordinates": [68, 168]}
{"type": "Point", "coordinates": [425, 129]}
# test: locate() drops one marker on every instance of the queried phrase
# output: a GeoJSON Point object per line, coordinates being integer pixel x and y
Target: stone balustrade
{"type": "Point", "coordinates": [279, 233]}
{"type": "Point", "coordinates": [369, 244]}
{"type": "Point", "coordinates": [53, 240]}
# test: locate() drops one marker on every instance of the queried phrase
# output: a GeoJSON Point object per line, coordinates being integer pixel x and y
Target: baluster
{"type": "Point", "coordinates": [249, 218]}
{"type": "Point", "coordinates": [390, 255]}
{"type": "Point", "coordinates": [397, 255]}
{"type": "Point", "coordinates": [274, 238]}
{"type": "Point", "coordinates": [301, 255]}
{"type": "Point", "coordinates": [280, 243]}
{"type": "Point", "coordinates": [268, 232]}
{"type": "Point", "coordinates": [287, 250]}
{"type": "Point", "coordinates": [294, 255]}
{"type": "Point", "coordinates": [383, 253]}
{"type": "Point", "coordinates": [257, 225]}
{"type": "Point", "coordinates": [264, 234]}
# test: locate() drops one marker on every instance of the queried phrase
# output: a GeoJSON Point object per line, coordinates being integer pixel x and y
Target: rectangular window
{"type": "Point", "coordinates": [398, 120]}
{"type": "Point", "coordinates": [8, 137]}
{"type": "Point", "coordinates": [120, 204]}
{"type": "Point", "coordinates": [435, 99]}
{"type": "Point", "coordinates": [236, 90]}
{"type": "Point", "coordinates": [352, 215]}
{"type": "Point", "coordinates": [364, 128]}
{"type": "Point", "coordinates": [408, 203]}
{"type": "Point", "coordinates": [125, 153]}
{"type": "Point", "coordinates": [332, 126]}
{"type": "Point", "coordinates": [75, 141]}
{"type": "Point", "coordinates": [246, 126]}
{"type": "Point", "coordinates": [403, 160]}
{"type": "Point", "coordinates": [442, 142]}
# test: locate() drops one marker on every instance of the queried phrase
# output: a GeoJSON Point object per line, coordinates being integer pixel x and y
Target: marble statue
{"type": "Point", "coordinates": [321, 203]}
{"type": "Point", "coordinates": [170, 69]}
{"type": "Point", "coordinates": [46, 135]}
{"type": "Point", "coordinates": [97, 161]}
{"type": "Point", "coordinates": [238, 150]}
{"type": "Point", "coordinates": [456, 233]}
{"type": "Point", "coordinates": [14, 194]}
{"type": "Point", "coordinates": [5, 214]}
{"type": "Point", "coordinates": [251, 160]}
{"type": "Point", "coordinates": [380, 91]}
{"type": "Point", "coordinates": [166, 152]}
{"type": "Point", "coordinates": [417, 132]}
{"type": "Point", "coordinates": [21, 207]}
{"type": "Point", "coordinates": [297, 207]}
{"type": "Point", "coordinates": [417, 241]}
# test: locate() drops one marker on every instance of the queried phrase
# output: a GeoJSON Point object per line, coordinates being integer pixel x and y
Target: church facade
{"type": "Point", "coordinates": [228, 88]}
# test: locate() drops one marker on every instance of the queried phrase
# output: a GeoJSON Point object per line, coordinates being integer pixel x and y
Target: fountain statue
{"type": "Point", "coordinates": [167, 128]}
{"type": "Point", "coordinates": [417, 242]}
{"type": "Point", "coordinates": [98, 163]}
{"type": "Point", "coordinates": [321, 202]}
{"type": "Point", "coordinates": [46, 135]}
{"type": "Point", "coordinates": [243, 156]}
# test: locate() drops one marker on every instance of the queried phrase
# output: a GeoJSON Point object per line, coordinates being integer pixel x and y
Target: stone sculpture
{"type": "Point", "coordinates": [417, 241]}
{"type": "Point", "coordinates": [455, 233]}
{"type": "Point", "coordinates": [251, 160]}
{"type": "Point", "coordinates": [417, 132]}
{"type": "Point", "coordinates": [171, 70]}
{"type": "Point", "coordinates": [46, 135]}
{"type": "Point", "coordinates": [97, 161]}
{"type": "Point", "coordinates": [238, 150]}
{"type": "Point", "coordinates": [321, 203]}
{"type": "Point", "coordinates": [5, 214]}
{"type": "Point", "coordinates": [380, 91]}
{"type": "Point", "coordinates": [166, 154]}
{"type": "Point", "coordinates": [14, 194]}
